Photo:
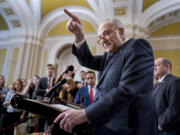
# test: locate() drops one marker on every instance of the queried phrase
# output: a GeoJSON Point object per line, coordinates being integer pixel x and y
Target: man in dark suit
{"type": "Point", "coordinates": [124, 105]}
{"type": "Point", "coordinates": [43, 86]}
{"type": "Point", "coordinates": [45, 83]}
{"type": "Point", "coordinates": [167, 97]}
{"type": "Point", "coordinates": [88, 92]}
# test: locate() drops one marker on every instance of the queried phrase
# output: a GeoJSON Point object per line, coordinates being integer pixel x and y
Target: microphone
{"type": "Point", "coordinates": [82, 100]}
{"type": "Point", "coordinates": [53, 89]}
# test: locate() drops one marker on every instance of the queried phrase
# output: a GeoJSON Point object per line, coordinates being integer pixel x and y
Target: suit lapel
{"type": "Point", "coordinates": [103, 73]}
{"type": "Point", "coordinates": [45, 83]}
{"type": "Point", "coordinates": [53, 82]}
{"type": "Point", "coordinates": [163, 84]}
{"type": "Point", "coordinates": [167, 78]}
{"type": "Point", "coordinates": [87, 93]}
{"type": "Point", "coordinates": [109, 65]}
{"type": "Point", "coordinates": [102, 66]}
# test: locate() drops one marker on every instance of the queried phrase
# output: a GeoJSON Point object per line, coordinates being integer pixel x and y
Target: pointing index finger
{"type": "Point", "coordinates": [72, 16]}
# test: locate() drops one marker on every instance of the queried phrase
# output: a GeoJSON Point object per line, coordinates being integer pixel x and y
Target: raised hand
{"type": "Point", "coordinates": [74, 25]}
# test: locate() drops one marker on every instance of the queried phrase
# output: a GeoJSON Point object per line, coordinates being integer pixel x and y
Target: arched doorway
{"type": "Point", "coordinates": [64, 57]}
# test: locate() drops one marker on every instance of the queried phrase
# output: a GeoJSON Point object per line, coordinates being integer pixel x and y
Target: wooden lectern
{"type": "Point", "coordinates": [50, 112]}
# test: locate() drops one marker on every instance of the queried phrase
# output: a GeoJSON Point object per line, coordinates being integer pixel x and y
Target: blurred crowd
{"type": "Point", "coordinates": [15, 121]}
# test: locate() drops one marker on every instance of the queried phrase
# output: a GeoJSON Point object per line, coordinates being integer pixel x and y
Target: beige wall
{"type": "Point", "coordinates": [168, 47]}
{"type": "Point", "coordinates": [173, 55]}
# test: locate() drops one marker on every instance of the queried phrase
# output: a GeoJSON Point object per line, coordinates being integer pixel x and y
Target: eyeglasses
{"type": "Point", "coordinates": [105, 35]}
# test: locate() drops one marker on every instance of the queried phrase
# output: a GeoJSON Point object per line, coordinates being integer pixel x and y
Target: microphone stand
{"type": "Point", "coordinates": [53, 90]}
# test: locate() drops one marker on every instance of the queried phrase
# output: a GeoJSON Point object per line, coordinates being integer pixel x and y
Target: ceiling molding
{"type": "Point", "coordinates": [164, 20]}
{"type": "Point", "coordinates": [22, 10]}
{"type": "Point", "coordinates": [50, 5]}
{"type": "Point", "coordinates": [16, 23]}
{"type": "Point", "coordinates": [170, 29]}
{"type": "Point", "coordinates": [157, 10]}
{"type": "Point", "coordinates": [8, 11]}
{"type": "Point", "coordinates": [10, 27]}
{"type": "Point", "coordinates": [59, 46]}
{"type": "Point", "coordinates": [120, 11]}
{"type": "Point", "coordinates": [95, 7]}
{"type": "Point", "coordinates": [26, 15]}
{"type": "Point", "coordinates": [58, 16]}
{"type": "Point", "coordinates": [3, 25]}
{"type": "Point", "coordinates": [148, 3]}
{"type": "Point", "coordinates": [35, 7]}
{"type": "Point", "coordinates": [100, 10]}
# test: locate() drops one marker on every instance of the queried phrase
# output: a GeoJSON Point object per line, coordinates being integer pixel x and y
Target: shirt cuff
{"type": "Point", "coordinates": [160, 128]}
{"type": "Point", "coordinates": [77, 45]}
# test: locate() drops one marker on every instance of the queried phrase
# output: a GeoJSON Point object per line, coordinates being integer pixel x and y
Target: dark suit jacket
{"type": "Point", "coordinates": [39, 92]}
{"type": "Point", "coordinates": [167, 99]}
{"type": "Point", "coordinates": [83, 92]}
{"type": "Point", "coordinates": [42, 86]}
{"type": "Point", "coordinates": [125, 105]}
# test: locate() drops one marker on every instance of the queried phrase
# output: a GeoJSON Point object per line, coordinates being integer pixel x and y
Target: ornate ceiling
{"type": "Point", "coordinates": [46, 17]}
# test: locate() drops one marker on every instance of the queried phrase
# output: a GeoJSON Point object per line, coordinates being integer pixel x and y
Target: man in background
{"type": "Point", "coordinates": [86, 94]}
{"type": "Point", "coordinates": [43, 86]}
{"type": "Point", "coordinates": [82, 82]}
{"type": "Point", "coordinates": [167, 97]}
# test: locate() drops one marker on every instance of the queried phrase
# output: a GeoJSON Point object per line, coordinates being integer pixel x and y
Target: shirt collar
{"type": "Point", "coordinates": [162, 78]}
{"type": "Point", "coordinates": [90, 86]}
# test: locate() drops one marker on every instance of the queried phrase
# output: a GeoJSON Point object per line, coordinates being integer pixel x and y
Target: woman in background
{"type": "Point", "coordinates": [3, 94]}
{"type": "Point", "coordinates": [69, 90]}
{"type": "Point", "coordinates": [13, 115]}
{"type": "Point", "coordinates": [28, 90]}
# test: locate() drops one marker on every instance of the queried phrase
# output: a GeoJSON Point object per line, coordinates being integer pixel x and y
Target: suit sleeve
{"type": "Point", "coordinates": [40, 90]}
{"type": "Point", "coordinates": [136, 78]}
{"type": "Point", "coordinates": [85, 58]}
{"type": "Point", "coordinates": [77, 97]}
{"type": "Point", "coordinates": [170, 117]}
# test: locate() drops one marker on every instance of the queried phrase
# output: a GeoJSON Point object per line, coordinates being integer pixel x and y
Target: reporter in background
{"type": "Point", "coordinates": [3, 94]}
{"type": "Point", "coordinates": [82, 83]}
{"type": "Point", "coordinates": [13, 115]}
{"type": "Point", "coordinates": [43, 87]}
{"type": "Point", "coordinates": [31, 85]}
{"type": "Point", "coordinates": [69, 90]}
{"type": "Point", "coordinates": [87, 92]}
{"type": "Point", "coordinates": [28, 90]}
